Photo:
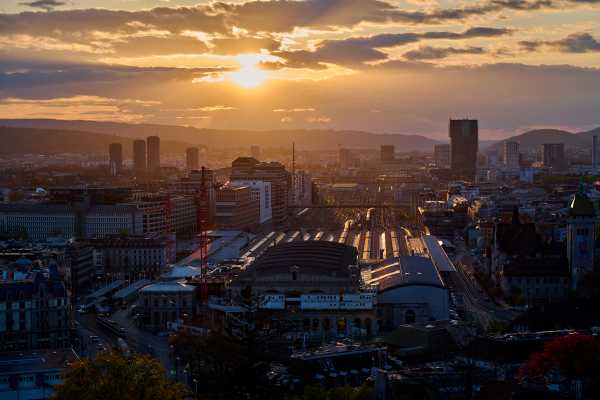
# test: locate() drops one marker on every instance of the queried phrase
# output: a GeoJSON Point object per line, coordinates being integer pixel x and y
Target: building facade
{"type": "Point", "coordinates": [34, 313]}
{"type": "Point", "coordinates": [153, 146]}
{"type": "Point", "coordinates": [236, 208]}
{"type": "Point", "coordinates": [441, 155]}
{"type": "Point", "coordinates": [115, 153]}
{"type": "Point", "coordinates": [464, 145]}
{"type": "Point", "coordinates": [247, 168]}
{"type": "Point", "coordinates": [139, 156]}
{"type": "Point", "coordinates": [192, 159]}
{"type": "Point", "coordinates": [511, 155]}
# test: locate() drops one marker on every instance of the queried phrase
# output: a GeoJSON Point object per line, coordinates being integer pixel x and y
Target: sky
{"type": "Point", "coordinates": [374, 65]}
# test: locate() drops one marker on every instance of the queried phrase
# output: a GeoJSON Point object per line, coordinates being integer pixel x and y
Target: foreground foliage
{"type": "Point", "coordinates": [112, 376]}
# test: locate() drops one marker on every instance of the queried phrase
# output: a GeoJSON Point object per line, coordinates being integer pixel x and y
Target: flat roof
{"type": "Point", "coordinates": [161, 287]}
{"type": "Point", "coordinates": [438, 255]}
{"type": "Point", "coordinates": [129, 290]}
{"type": "Point", "coordinates": [406, 271]}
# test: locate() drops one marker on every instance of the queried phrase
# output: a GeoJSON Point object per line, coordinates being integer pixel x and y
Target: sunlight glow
{"type": "Point", "coordinates": [249, 75]}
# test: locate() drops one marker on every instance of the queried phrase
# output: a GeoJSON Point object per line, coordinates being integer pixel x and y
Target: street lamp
{"type": "Point", "coordinates": [196, 387]}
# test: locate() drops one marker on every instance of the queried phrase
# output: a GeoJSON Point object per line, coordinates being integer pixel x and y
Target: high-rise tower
{"type": "Point", "coordinates": [464, 144]}
{"type": "Point", "coordinates": [115, 154]}
{"type": "Point", "coordinates": [139, 156]}
{"type": "Point", "coordinates": [153, 143]}
{"type": "Point", "coordinates": [192, 159]}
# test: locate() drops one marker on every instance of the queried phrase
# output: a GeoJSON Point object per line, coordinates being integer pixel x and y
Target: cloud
{"type": "Point", "coordinates": [44, 4]}
{"type": "Point", "coordinates": [94, 108]}
{"type": "Point", "coordinates": [214, 108]}
{"type": "Point", "coordinates": [241, 45]}
{"type": "Point", "coordinates": [437, 53]}
{"type": "Point", "coordinates": [31, 74]}
{"type": "Point", "coordinates": [355, 51]}
{"type": "Point", "coordinates": [574, 43]}
{"type": "Point", "coordinates": [293, 110]}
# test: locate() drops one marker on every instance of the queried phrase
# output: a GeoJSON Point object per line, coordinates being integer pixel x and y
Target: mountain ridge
{"type": "Point", "coordinates": [305, 139]}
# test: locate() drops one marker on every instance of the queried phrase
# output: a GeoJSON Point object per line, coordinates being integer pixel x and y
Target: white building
{"type": "Point", "coordinates": [260, 190]}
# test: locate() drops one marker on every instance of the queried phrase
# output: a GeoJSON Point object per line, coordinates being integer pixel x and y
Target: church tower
{"type": "Point", "coordinates": [581, 236]}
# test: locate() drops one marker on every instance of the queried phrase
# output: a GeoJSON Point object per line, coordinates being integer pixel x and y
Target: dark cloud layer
{"type": "Point", "coordinates": [354, 52]}
{"type": "Point", "coordinates": [437, 53]}
{"type": "Point", "coordinates": [574, 43]}
{"type": "Point", "coordinates": [44, 4]}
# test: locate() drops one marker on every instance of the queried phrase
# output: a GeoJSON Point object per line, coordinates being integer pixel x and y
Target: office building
{"type": "Point", "coordinates": [139, 156]}
{"type": "Point", "coordinates": [511, 155]}
{"type": "Point", "coordinates": [441, 155]}
{"type": "Point", "coordinates": [387, 153]}
{"type": "Point", "coordinates": [166, 302]}
{"type": "Point", "coordinates": [79, 268]}
{"type": "Point", "coordinates": [553, 156]}
{"type": "Point", "coordinates": [248, 168]}
{"type": "Point", "coordinates": [236, 208]}
{"type": "Point", "coordinates": [153, 145]}
{"type": "Point", "coordinates": [464, 144]}
{"type": "Point", "coordinates": [192, 159]}
{"type": "Point", "coordinates": [301, 193]}
{"type": "Point", "coordinates": [115, 152]}
{"type": "Point", "coordinates": [261, 192]}
{"type": "Point", "coordinates": [255, 152]}
{"type": "Point", "coordinates": [130, 257]}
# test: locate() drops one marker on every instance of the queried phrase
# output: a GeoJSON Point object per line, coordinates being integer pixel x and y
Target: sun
{"type": "Point", "coordinates": [249, 75]}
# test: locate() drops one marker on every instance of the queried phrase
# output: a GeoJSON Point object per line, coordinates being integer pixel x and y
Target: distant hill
{"type": "Point", "coordinates": [17, 141]}
{"type": "Point", "coordinates": [534, 139]}
{"type": "Point", "coordinates": [304, 139]}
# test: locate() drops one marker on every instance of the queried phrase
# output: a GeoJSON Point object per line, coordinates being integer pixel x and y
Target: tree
{"type": "Point", "coordinates": [233, 363]}
{"type": "Point", "coordinates": [112, 376]}
{"type": "Point", "coordinates": [573, 357]}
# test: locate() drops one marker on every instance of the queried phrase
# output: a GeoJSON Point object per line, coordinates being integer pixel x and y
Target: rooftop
{"type": "Point", "coordinates": [406, 271]}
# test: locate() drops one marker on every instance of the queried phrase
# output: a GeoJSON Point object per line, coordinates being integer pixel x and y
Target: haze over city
{"type": "Point", "coordinates": [299, 200]}
{"type": "Point", "coordinates": [409, 65]}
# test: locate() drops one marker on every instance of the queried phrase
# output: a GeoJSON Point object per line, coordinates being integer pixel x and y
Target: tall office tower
{"type": "Point", "coordinates": [387, 153]}
{"type": "Point", "coordinates": [192, 159]}
{"type": "Point", "coordinates": [553, 156]}
{"type": "Point", "coordinates": [255, 152]}
{"type": "Point", "coordinates": [139, 156]}
{"type": "Point", "coordinates": [115, 154]}
{"type": "Point", "coordinates": [441, 155]}
{"type": "Point", "coordinates": [595, 154]}
{"type": "Point", "coordinates": [464, 144]}
{"type": "Point", "coordinates": [249, 169]}
{"type": "Point", "coordinates": [511, 155]}
{"type": "Point", "coordinates": [153, 143]}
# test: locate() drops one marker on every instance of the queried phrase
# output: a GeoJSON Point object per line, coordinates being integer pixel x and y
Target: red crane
{"type": "Point", "coordinates": [202, 212]}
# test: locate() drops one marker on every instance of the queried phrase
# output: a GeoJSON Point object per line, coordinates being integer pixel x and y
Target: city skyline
{"type": "Point", "coordinates": [513, 65]}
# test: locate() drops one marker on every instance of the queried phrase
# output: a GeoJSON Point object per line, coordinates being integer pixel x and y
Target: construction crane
{"type": "Point", "coordinates": [202, 212]}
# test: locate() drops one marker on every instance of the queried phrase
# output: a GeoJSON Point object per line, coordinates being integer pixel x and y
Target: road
{"type": "Point", "coordinates": [477, 303]}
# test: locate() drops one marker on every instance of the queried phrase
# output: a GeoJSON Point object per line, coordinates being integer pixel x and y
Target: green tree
{"type": "Point", "coordinates": [112, 376]}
